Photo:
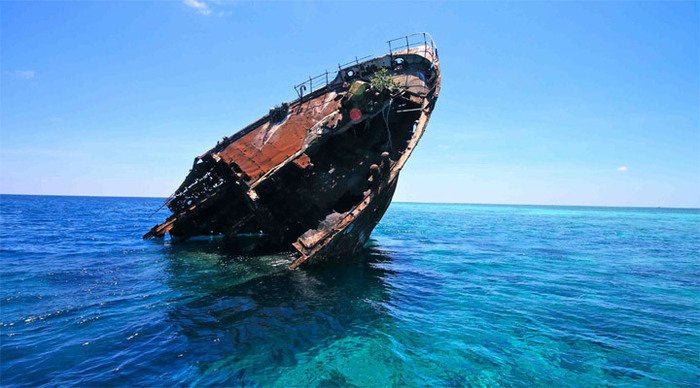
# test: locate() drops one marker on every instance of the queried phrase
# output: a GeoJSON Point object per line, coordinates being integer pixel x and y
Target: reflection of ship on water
{"type": "Point", "coordinates": [272, 315]}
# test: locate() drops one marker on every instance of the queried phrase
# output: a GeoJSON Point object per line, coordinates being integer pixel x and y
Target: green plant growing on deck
{"type": "Point", "coordinates": [382, 82]}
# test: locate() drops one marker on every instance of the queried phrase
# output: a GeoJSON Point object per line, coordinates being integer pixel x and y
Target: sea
{"type": "Point", "coordinates": [443, 295]}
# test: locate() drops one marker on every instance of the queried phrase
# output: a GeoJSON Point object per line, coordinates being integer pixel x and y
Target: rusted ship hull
{"type": "Point", "coordinates": [316, 175]}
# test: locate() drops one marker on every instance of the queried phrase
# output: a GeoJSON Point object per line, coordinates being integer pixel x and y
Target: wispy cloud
{"type": "Point", "coordinates": [622, 168]}
{"type": "Point", "coordinates": [201, 7]}
{"type": "Point", "coordinates": [25, 74]}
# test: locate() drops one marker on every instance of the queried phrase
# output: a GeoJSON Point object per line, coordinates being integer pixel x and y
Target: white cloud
{"type": "Point", "coordinates": [201, 7]}
{"type": "Point", "coordinates": [25, 74]}
{"type": "Point", "coordinates": [622, 168]}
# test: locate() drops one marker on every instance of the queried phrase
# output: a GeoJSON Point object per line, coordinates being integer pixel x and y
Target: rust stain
{"type": "Point", "coordinates": [256, 157]}
{"type": "Point", "coordinates": [303, 161]}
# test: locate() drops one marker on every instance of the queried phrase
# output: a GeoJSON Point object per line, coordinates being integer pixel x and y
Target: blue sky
{"type": "Point", "coordinates": [542, 103]}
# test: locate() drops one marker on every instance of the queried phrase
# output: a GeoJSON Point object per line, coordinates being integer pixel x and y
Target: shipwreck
{"type": "Point", "coordinates": [315, 175]}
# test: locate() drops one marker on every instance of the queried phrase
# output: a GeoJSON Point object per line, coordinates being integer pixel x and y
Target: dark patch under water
{"type": "Point", "coordinates": [444, 295]}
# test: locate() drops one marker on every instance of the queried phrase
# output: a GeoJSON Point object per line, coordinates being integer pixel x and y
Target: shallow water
{"type": "Point", "coordinates": [447, 295]}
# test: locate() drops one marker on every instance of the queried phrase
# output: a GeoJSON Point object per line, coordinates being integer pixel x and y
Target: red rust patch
{"type": "Point", "coordinates": [265, 147]}
{"type": "Point", "coordinates": [303, 161]}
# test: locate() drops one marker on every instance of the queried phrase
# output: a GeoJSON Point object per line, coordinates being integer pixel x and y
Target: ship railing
{"type": "Point", "coordinates": [418, 40]}
{"type": "Point", "coordinates": [404, 43]}
{"type": "Point", "coordinates": [322, 80]}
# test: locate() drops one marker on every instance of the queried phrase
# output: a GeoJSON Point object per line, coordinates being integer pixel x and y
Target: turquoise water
{"type": "Point", "coordinates": [445, 295]}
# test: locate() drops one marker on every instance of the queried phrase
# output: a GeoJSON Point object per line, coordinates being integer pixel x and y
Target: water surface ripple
{"type": "Point", "coordinates": [445, 295]}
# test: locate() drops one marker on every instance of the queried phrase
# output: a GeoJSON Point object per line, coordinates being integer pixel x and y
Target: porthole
{"type": "Point", "coordinates": [350, 73]}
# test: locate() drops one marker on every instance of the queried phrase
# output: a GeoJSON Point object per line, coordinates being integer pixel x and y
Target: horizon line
{"type": "Point", "coordinates": [408, 202]}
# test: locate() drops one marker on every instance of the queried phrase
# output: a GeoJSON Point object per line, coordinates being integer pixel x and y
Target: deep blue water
{"type": "Point", "coordinates": [445, 295]}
